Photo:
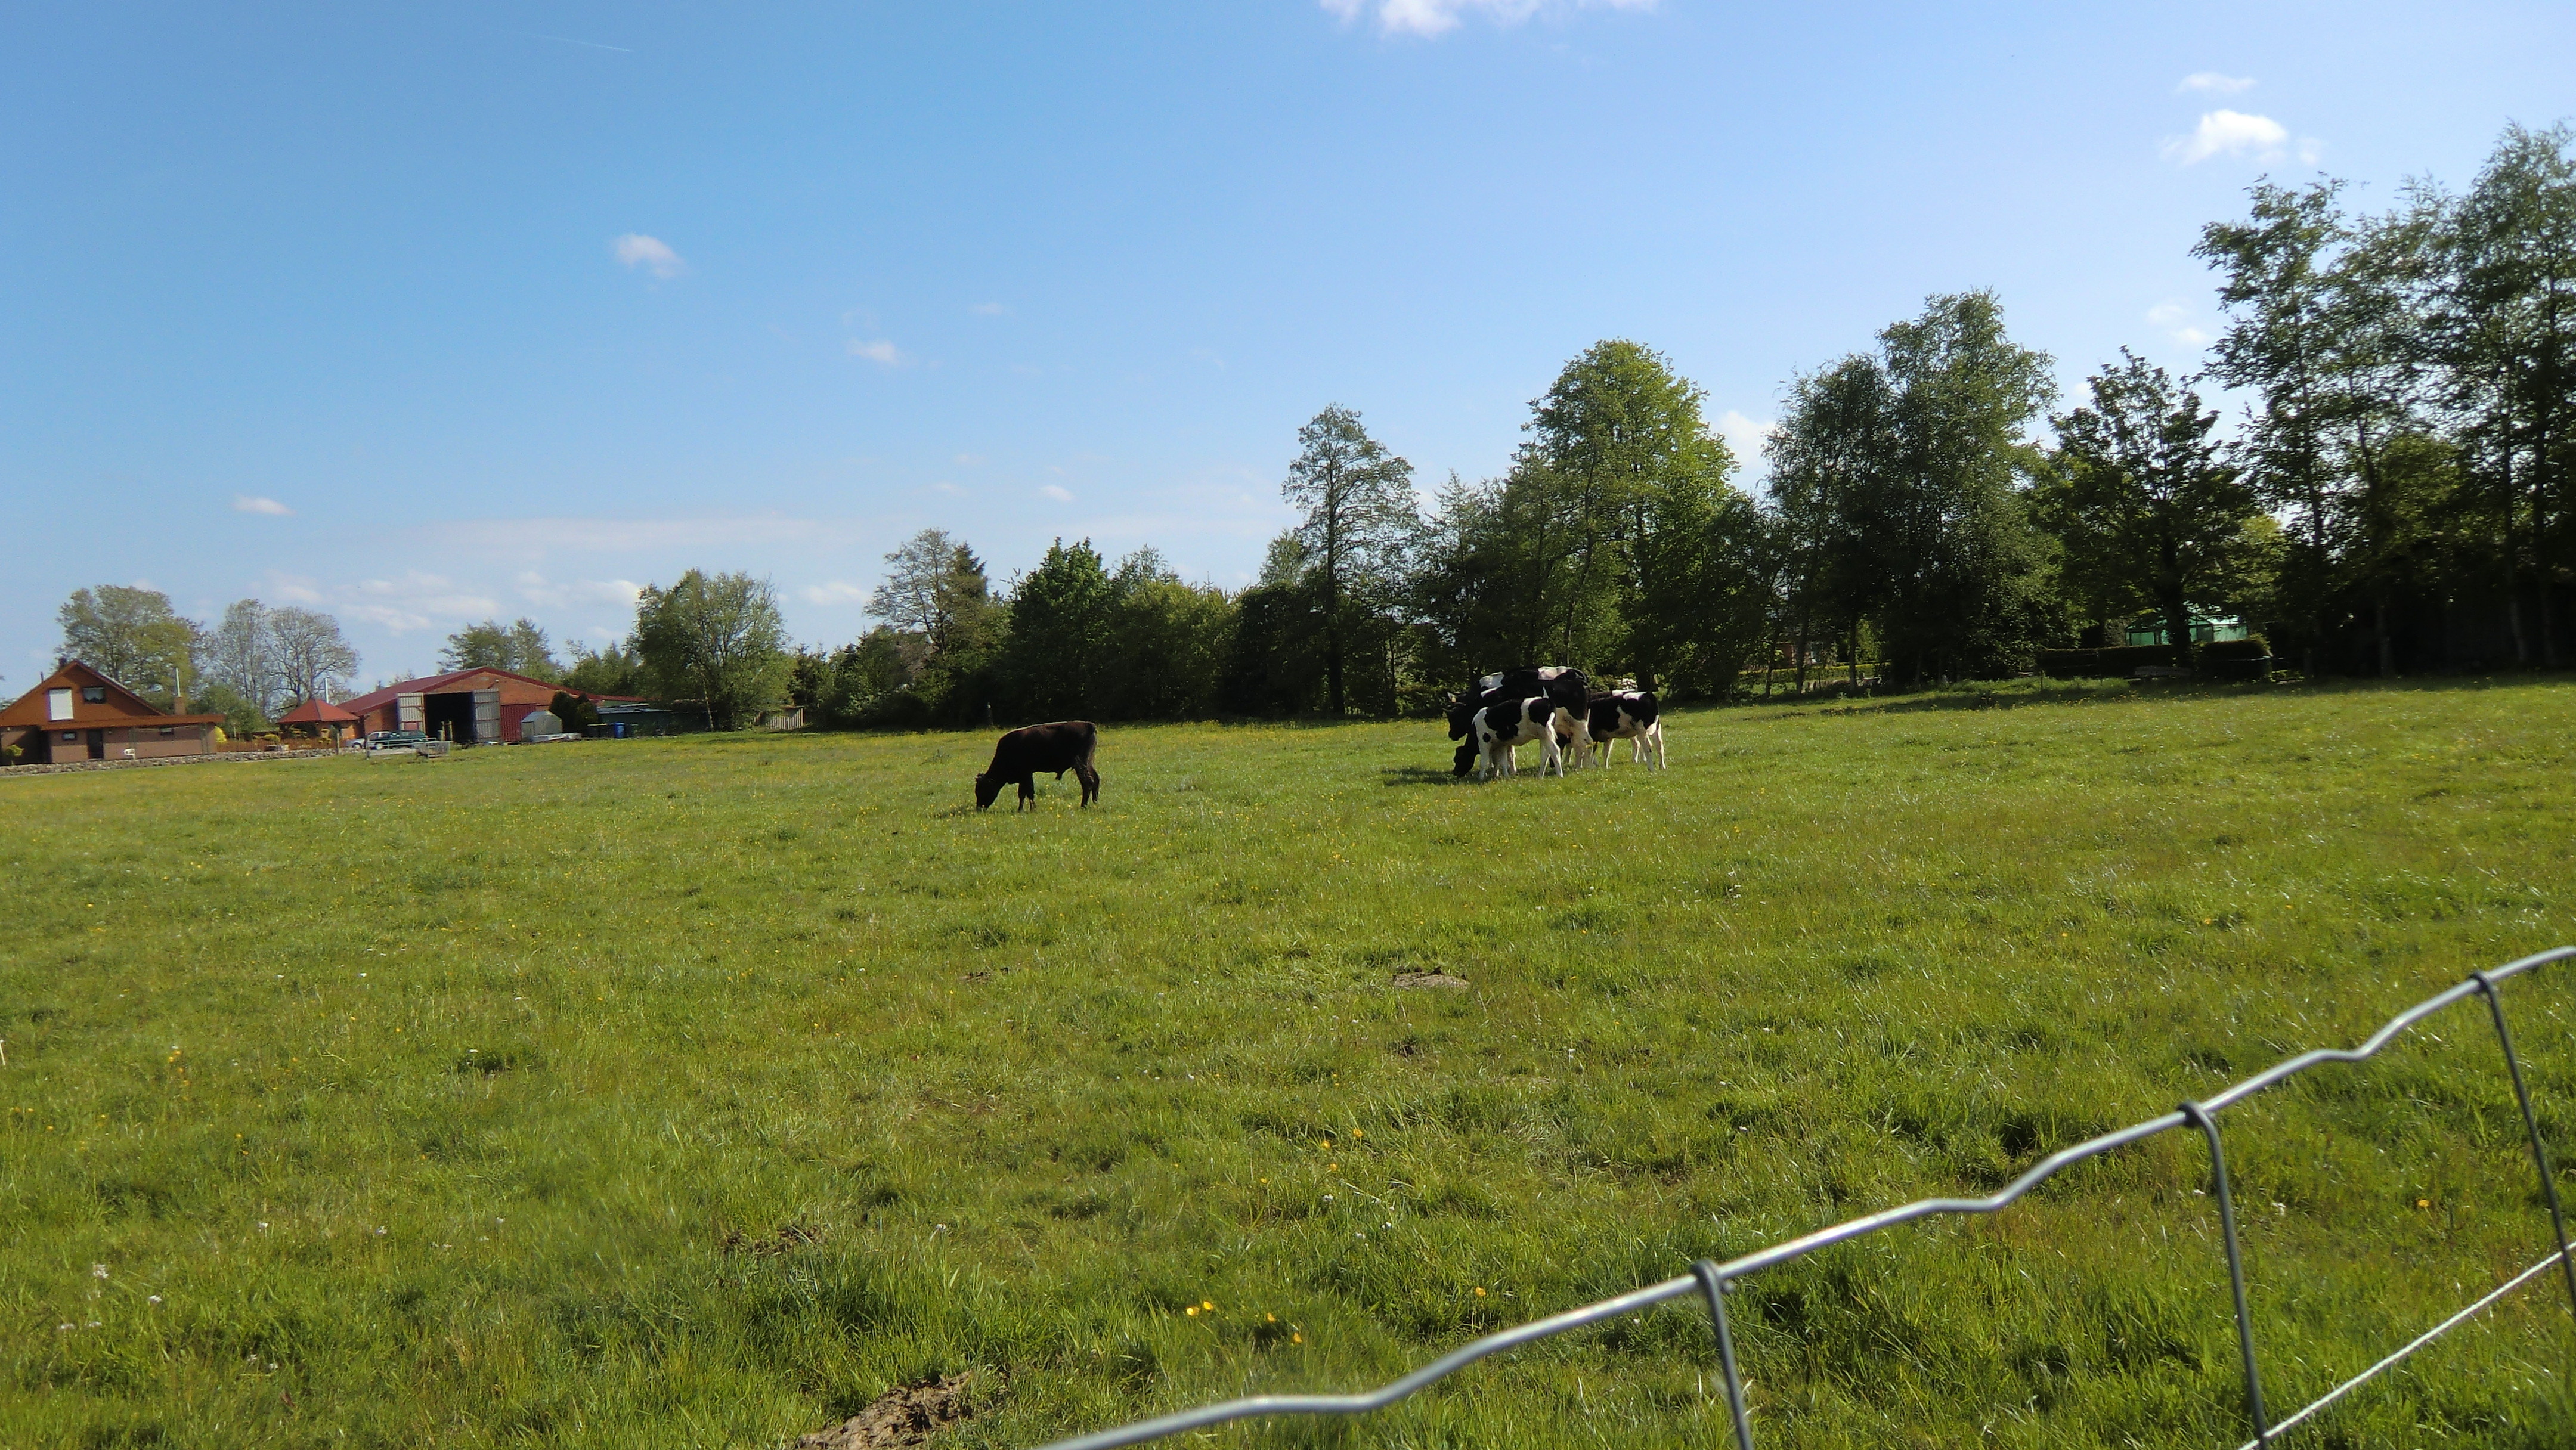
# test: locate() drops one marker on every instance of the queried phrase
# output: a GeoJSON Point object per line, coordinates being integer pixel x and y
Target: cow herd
{"type": "Point", "coordinates": [1551, 707]}
{"type": "Point", "coordinates": [1556, 709]}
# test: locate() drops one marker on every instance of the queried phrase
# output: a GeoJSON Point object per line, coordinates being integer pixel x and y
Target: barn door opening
{"type": "Point", "coordinates": [450, 716]}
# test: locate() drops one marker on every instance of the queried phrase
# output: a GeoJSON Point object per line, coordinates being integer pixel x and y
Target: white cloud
{"type": "Point", "coordinates": [244, 503]}
{"type": "Point", "coordinates": [2210, 82]}
{"type": "Point", "coordinates": [838, 591]}
{"type": "Point", "coordinates": [533, 538]}
{"type": "Point", "coordinates": [880, 351]}
{"type": "Point", "coordinates": [2176, 321]}
{"type": "Point", "coordinates": [2232, 132]}
{"type": "Point", "coordinates": [1744, 437]}
{"type": "Point", "coordinates": [990, 309]}
{"type": "Point", "coordinates": [1437, 17]}
{"type": "Point", "coordinates": [2311, 150]}
{"type": "Point", "coordinates": [1057, 492]}
{"type": "Point", "coordinates": [944, 486]}
{"type": "Point", "coordinates": [969, 460]}
{"type": "Point", "coordinates": [419, 601]}
{"type": "Point", "coordinates": [293, 588]}
{"type": "Point", "coordinates": [537, 589]}
{"type": "Point", "coordinates": [638, 250]}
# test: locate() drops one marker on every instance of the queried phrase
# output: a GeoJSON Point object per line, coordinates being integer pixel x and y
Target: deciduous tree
{"type": "Point", "coordinates": [717, 639]}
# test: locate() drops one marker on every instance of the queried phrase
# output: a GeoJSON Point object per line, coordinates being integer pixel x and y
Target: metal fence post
{"type": "Point", "coordinates": [1715, 1287]}
{"type": "Point", "coordinates": [2531, 1125]}
{"type": "Point", "coordinates": [2208, 1126]}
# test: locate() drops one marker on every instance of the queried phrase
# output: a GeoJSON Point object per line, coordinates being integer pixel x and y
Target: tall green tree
{"type": "Point", "coordinates": [1826, 455]}
{"type": "Point", "coordinates": [1645, 508]}
{"type": "Point", "coordinates": [1059, 621]}
{"type": "Point", "coordinates": [2276, 280]}
{"type": "Point", "coordinates": [717, 639]}
{"type": "Point", "coordinates": [520, 647]}
{"type": "Point", "coordinates": [2144, 501]}
{"type": "Point", "coordinates": [1904, 471]}
{"type": "Point", "coordinates": [2505, 329]}
{"type": "Point", "coordinates": [1168, 643]}
{"type": "Point", "coordinates": [1358, 532]}
{"type": "Point", "coordinates": [131, 635]}
{"type": "Point", "coordinates": [611, 669]}
{"type": "Point", "coordinates": [937, 590]}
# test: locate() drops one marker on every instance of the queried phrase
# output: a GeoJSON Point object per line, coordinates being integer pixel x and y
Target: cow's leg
{"type": "Point", "coordinates": [1551, 755]}
{"type": "Point", "coordinates": [1090, 779]}
{"type": "Point", "coordinates": [1656, 731]}
{"type": "Point", "coordinates": [1028, 793]}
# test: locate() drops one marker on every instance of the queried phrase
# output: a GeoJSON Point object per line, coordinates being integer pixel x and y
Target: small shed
{"type": "Point", "coordinates": [318, 718]}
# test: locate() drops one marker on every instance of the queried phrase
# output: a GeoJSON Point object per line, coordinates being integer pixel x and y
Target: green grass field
{"type": "Point", "coordinates": [694, 1092]}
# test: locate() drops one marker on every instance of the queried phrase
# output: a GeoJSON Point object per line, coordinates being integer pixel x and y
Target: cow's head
{"type": "Point", "coordinates": [1466, 761]}
{"type": "Point", "coordinates": [986, 788]}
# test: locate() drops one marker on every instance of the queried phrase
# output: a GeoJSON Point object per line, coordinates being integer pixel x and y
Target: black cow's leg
{"type": "Point", "coordinates": [1090, 779]}
{"type": "Point", "coordinates": [1028, 794]}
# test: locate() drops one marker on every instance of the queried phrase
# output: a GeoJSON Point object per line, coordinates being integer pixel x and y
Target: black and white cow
{"type": "Point", "coordinates": [1033, 749]}
{"type": "Point", "coordinates": [1629, 715]}
{"type": "Point", "coordinates": [1562, 685]}
{"type": "Point", "coordinates": [1496, 732]}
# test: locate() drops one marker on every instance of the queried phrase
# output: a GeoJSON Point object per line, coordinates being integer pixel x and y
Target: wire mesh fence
{"type": "Point", "coordinates": [1712, 1283]}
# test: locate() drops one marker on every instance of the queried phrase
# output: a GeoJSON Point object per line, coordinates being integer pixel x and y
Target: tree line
{"type": "Point", "coordinates": [2397, 498]}
{"type": "Point", "coordinates": [250, 666]}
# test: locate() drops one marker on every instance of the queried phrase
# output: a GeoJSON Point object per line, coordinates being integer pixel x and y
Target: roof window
{"type": "Point", "coordinates": [58, 704]}
{"type": "Point", "coordinates": [94, 694]}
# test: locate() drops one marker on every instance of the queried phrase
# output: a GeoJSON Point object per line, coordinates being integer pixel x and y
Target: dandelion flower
{"type": "Point", "coordinates": [1292, 1339]}
{"type": "Point", "coordinates": [1192, 1311]}
{"type": "Point", "coordinates": [1480, 1291]}
{"type": "Point", "coordinates": [2419, 1203]}
{"type": "Point", "coordinates": [1269, 1318]}
{"type": "Point", "coordinates": [1208, 1304]}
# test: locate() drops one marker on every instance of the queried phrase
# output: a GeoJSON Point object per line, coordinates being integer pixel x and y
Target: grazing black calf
{"type": "Point", "coordinates": [1025, 752]}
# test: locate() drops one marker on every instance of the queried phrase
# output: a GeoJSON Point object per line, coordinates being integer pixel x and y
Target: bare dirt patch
{"type": "Point", "coordinates": [1429, 979]}
{"type": "Point", "coordinates": [905, 1415]}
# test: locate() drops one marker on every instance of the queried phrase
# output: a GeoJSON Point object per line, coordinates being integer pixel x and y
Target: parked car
{"type": "Point", "coordinates": [393, 742]}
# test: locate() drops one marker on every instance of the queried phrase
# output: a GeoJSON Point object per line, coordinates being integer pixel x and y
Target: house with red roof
{"type": "Point", "coordinates": [78, 713]}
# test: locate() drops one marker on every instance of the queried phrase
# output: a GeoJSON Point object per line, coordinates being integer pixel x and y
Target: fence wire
{"type": "Point", "coordinates": [1712, 1282]}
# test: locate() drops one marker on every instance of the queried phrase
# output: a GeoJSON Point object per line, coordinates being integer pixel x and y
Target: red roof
{"type": "Point", "coordinates": [317, 712]}
{"type": "Point", "coordinates": [433, 684]}
{"type": "Point", "coordinates": [120, 707]}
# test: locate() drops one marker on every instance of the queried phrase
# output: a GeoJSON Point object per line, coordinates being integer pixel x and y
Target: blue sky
{"type": "Point", "coordinates": [423, 314]}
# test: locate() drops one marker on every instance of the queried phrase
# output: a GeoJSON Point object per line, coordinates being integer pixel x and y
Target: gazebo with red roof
{"type": "Point", "coordinates": [319, 715]}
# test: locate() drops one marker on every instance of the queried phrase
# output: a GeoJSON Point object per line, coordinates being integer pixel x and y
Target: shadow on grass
{"type": "Point", "coordinates": [1392, 776]}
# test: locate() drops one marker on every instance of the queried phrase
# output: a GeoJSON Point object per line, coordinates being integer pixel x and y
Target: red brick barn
{"type": "Point", "coordinates": [481, 706]}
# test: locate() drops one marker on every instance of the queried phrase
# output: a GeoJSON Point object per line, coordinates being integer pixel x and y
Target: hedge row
{"type": "Point", "coordinates": [2223, 659]}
